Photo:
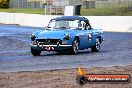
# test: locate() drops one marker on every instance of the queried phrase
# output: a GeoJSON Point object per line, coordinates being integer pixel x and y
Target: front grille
{"type": "Point", "coordinates": [47, 41]}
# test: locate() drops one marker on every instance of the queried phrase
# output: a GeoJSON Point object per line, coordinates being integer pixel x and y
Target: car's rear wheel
{"type": "Point", "coordinates": [74, 48]}
{"type": "Point", "coordinates": [35, 52]}
{"type": "Point", "coordinates": [96, 47]}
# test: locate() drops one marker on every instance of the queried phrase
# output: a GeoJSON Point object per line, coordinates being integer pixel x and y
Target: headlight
{"type": "Point", "coordinates": [33, 36]}
{"type": "Point", "coordinates": [34, 43]}
{"type": "Point", "coordinates": [67, 37]}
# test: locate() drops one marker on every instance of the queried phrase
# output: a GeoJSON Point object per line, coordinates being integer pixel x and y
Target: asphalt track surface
{"type": "Point", "coordinates": [15, 54]}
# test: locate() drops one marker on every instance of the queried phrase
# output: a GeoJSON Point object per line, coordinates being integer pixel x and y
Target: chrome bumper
{"type": "Point", "coordinates": [50, 45]}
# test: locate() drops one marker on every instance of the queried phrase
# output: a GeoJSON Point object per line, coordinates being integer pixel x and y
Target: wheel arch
{"type": "Point", "coordinates": [100, 40]}
{"type": "Point", "coordinates": [76, 37]}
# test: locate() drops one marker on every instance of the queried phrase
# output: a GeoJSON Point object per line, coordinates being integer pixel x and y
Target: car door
{"type": "Point", "coordinates": [85, 36]}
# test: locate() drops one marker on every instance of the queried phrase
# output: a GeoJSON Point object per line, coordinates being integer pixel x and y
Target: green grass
{"type": "Point", "coordinates": [115, 9]}
{"type": "Point", "coordinates": [107, 11]}
{"type": "Point", "coordinates": [123, 11]}
{"type": "Point", "coordinates": [29, 11]}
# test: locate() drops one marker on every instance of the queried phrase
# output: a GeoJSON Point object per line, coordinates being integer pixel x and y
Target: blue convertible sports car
{"type": "Point", "coordinates": [66, 33]}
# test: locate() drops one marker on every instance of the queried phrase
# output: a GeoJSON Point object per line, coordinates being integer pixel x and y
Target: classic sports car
{"type": "Point", "coordinates": [66, 33]}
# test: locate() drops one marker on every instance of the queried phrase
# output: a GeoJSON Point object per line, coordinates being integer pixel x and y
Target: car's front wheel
{"type": "Point", "coordinates": [96, 47]}
{"type": "Point", "coordinates": [74, 48]}
{"type": "Point", "coordinates": [35, 52]}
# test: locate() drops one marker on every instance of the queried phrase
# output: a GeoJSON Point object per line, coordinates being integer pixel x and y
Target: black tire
{"type": "Point", "coordinates": [80, 80]}
{"type": "Point", "coordinates": [35, 52]}
{"type": "Point", "coordinates": [74, 48]}
{"type": "Point", "coordinates": [96, 47]}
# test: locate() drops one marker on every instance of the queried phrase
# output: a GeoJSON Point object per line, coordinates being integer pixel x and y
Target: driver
{"type": "Point", "coordinates": [87, 25]}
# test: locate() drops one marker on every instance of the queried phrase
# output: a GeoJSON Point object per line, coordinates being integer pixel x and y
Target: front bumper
{"type": "Point", "coordinates": [51, 47]}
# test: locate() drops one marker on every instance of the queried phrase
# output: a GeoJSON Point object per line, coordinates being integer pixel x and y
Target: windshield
{"type": "Point", "coordinates": [63, 24]}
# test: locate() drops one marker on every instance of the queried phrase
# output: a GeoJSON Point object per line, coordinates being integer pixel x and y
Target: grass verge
{"type": "Point", "coordinates": [107, 11]}
{"type": "Point", "coordinates": [29, 11]}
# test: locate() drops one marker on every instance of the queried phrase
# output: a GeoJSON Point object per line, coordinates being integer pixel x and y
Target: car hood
{"type": "Point", "coordinates": [56, 34]}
